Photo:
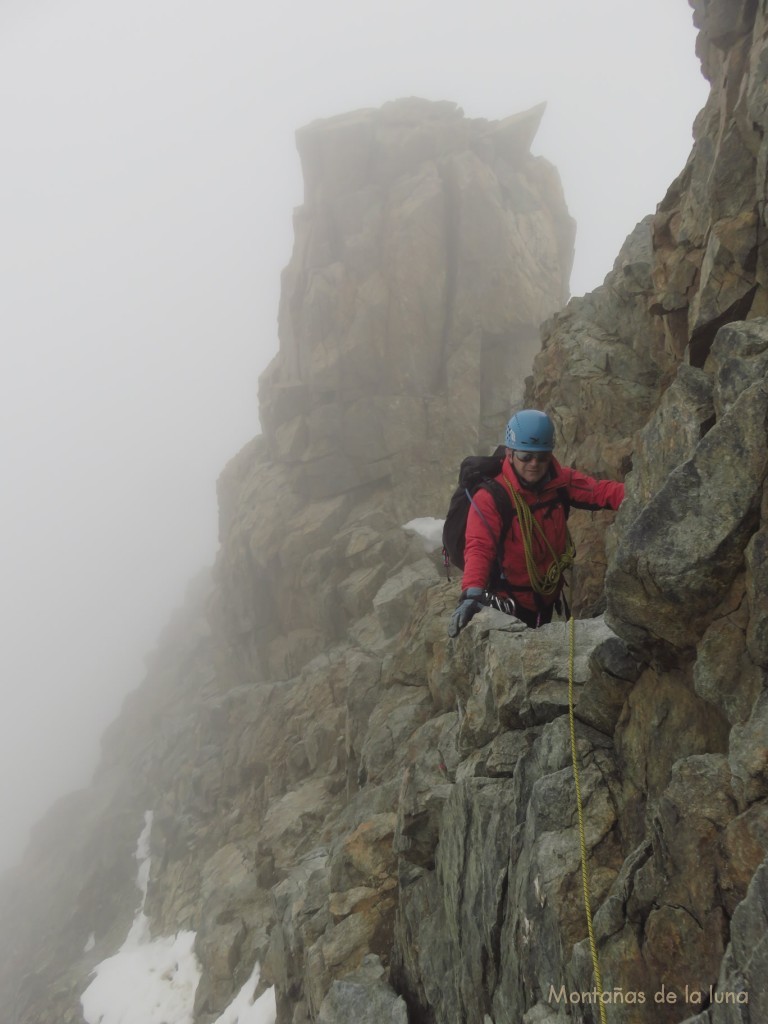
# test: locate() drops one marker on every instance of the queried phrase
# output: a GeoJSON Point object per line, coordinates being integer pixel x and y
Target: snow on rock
{"type": "Point", "coordinates": [153, 981]}
{"type": "Point", "coordinates": [245, 1010]}
{"type": "Point", "coordinates": [429, 529]}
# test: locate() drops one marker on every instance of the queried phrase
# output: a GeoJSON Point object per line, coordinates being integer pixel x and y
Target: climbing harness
{"type": "Point", "coordinates": [580, 810]}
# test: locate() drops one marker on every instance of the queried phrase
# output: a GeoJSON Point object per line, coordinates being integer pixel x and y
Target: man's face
{"type": "Point", "coordinates": [531, 466]}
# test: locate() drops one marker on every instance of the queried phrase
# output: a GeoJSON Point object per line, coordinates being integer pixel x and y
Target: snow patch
{"type": "Point", "coordinates": [429, 529]}
{"type": "Point", "coordinates": [244, 1010]}
{"type": "Point", "coordinates": [150, 983]}
{"type": "Point", "coordinates": [153, 981]}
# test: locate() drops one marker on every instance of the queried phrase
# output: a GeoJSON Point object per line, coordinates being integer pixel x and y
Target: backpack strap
{"type": "Point", "coordinates": [561, 498]}
{"type": "Point", "coordinates": [565, 500]}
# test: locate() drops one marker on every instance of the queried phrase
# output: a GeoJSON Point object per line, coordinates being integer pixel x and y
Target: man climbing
{"type": "Point", "coordinates": [515, 557]}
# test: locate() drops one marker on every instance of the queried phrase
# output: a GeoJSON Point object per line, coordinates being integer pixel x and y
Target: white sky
{"type": "Point", "coordinates": [147, 179]}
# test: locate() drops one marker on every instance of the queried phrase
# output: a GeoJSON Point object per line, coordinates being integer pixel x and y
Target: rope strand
{"type": "Point", "coordinates": [582, 831]}
{"type": "Point", "coordinates": [548, 584]}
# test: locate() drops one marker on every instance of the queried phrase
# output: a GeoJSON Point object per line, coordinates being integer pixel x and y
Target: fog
{"type": "Point", "coordinates": [148, 174]}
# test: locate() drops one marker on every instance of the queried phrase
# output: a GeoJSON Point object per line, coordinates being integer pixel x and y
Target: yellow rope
{"type": "Point", "coordinates": [550, 581]}
{"type": "Point", "coordinates": [582, 833]}
{"type": "Point", "coordinates": [548, 584]}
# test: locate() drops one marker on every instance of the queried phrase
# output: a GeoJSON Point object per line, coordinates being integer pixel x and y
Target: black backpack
{"type": "Point", "coordinates": [475, 471]}
{"type": "Point", "coordinates": [478, 471]}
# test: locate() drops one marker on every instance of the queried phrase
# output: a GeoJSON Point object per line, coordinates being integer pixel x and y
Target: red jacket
{"type": "Point", "coordinates": [481, 539]}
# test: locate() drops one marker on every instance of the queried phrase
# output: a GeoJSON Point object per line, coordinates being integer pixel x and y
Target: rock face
{"type": "Point", "coordinates": [385, 819]}
{"type": "Point", "coordinates": [428, 250]}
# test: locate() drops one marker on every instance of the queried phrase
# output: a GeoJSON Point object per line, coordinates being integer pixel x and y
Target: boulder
{"type": "Point", "coordinates": [363, 997]}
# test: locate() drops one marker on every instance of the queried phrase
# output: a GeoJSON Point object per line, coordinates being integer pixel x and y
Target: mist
{"type": "Point", "coordinates": [149, 173]}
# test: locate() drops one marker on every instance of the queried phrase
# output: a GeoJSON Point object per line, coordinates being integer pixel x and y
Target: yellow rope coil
{"type": "Point", "coordinates": [582, 832]}
{"type": "Point", "coordinates": [550, 581]}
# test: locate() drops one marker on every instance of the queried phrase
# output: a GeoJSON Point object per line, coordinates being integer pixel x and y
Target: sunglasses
{"type": "Point", "coordinates": [534, 456]}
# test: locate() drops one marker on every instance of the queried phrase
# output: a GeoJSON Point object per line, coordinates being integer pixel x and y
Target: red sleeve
{"type": "Point", "coordinates": [481, 540]}
{"type": "Point", "coordinates": [585, 492]}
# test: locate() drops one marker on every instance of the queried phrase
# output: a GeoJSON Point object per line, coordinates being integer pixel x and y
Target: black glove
{"type": "Point", "coordinates": [470, 603]}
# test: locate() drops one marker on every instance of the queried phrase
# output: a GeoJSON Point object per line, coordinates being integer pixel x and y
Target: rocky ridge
{"type": "Point", "coordinates": [384, 818]}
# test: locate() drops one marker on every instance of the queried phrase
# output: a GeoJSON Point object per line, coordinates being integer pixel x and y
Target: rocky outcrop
{"type": "Point", "coordinates": [600, 373]}
{"type": "Point", "coordinates": [428, 250]}
{"type": "Point", "coordinates": [385, 819]}
{"type": "Point", "coordinates": [709, 229]}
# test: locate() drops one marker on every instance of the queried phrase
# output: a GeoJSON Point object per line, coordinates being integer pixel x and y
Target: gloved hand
{"type": "Point", "coordinates": [470, 603]}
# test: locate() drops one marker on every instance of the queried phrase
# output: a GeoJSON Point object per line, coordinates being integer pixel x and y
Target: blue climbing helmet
{"type": "Point", "coordinates": [530, 431]}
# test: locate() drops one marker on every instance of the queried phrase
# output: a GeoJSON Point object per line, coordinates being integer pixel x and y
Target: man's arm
{"type": "Point", "coordinates": [588, 493]}
{"type": "Point", "coordinates": [481, 542]}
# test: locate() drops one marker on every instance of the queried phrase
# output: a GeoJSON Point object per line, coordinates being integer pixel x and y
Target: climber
{"type": "Point", "coordinates": [522, 572]}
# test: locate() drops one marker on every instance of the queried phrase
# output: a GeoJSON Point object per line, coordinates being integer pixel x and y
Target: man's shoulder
{"type": "Point", "coordinates": [493, 497]}
{"type": "Point", "coordinates": [490, 491]}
